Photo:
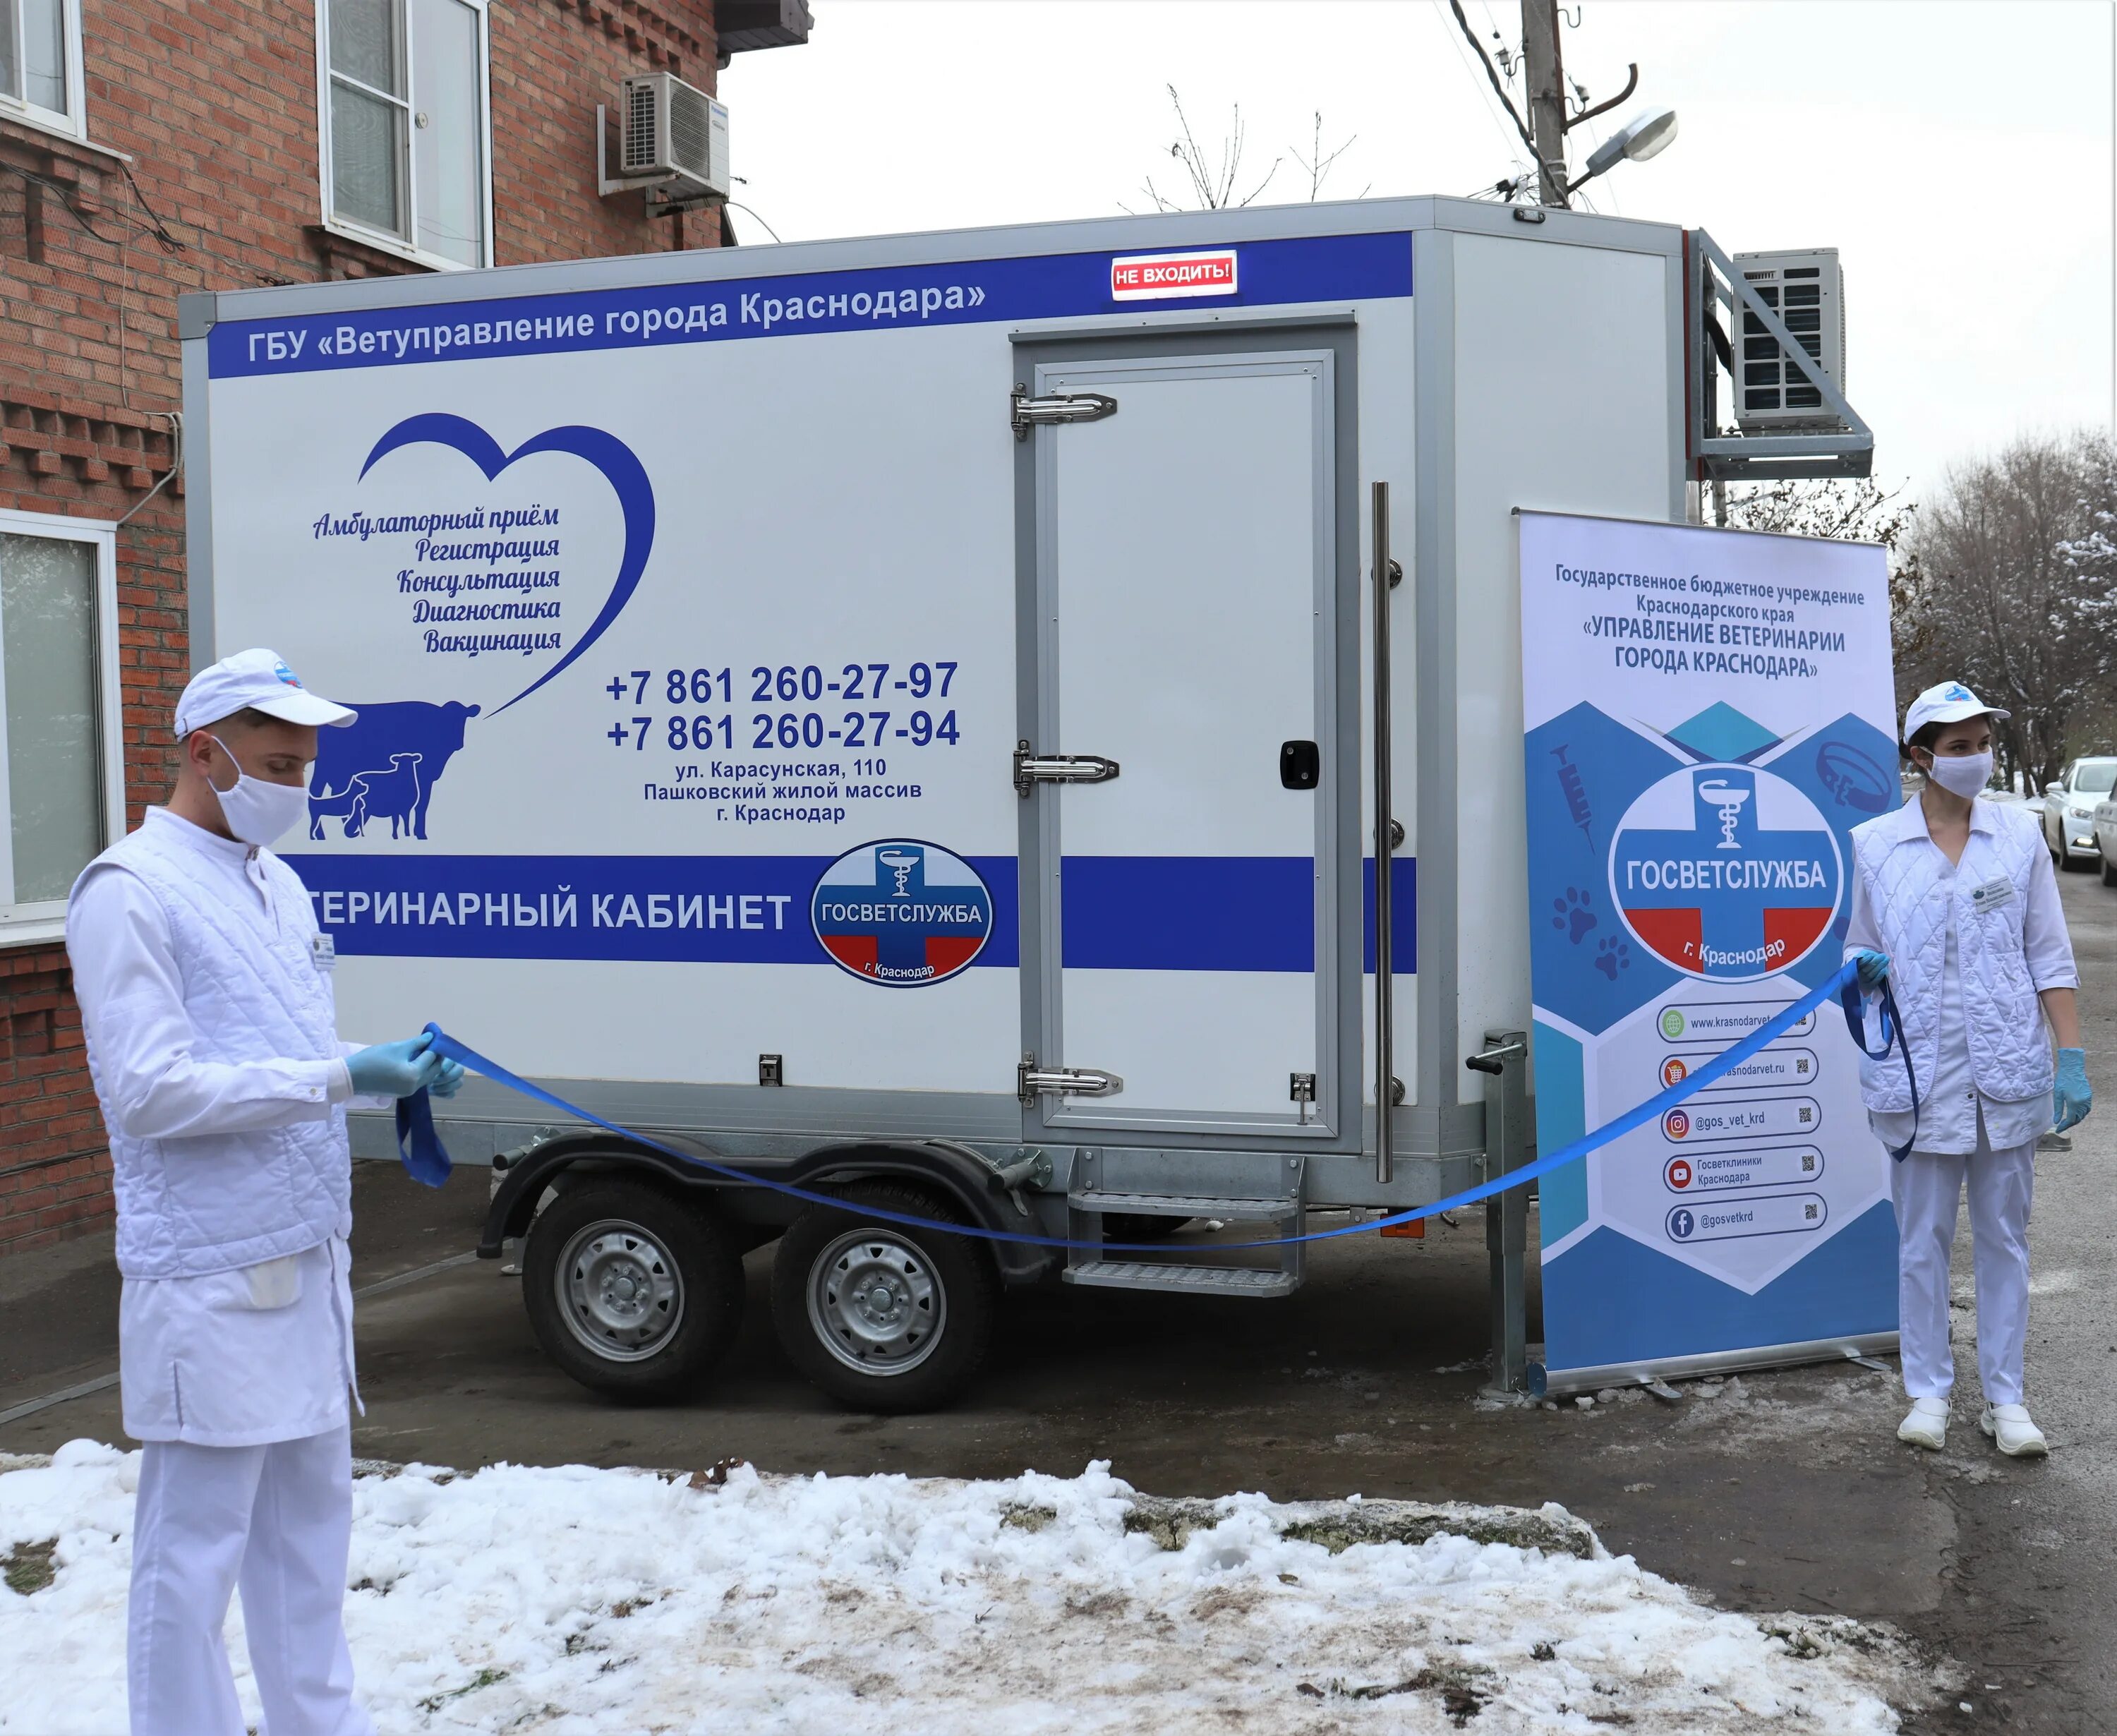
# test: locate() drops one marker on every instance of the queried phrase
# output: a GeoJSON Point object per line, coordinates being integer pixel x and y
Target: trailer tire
{"type": "Point", "coordinates": [925, 1335]}
{"type": "Point", "coordinates": [635, 1291]}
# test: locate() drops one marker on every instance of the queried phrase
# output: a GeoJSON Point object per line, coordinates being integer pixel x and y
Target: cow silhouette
{"type": "Point", "coordinates": [384, 765]}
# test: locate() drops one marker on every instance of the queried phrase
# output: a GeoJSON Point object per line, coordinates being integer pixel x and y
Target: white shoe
{"type": "Point", "coordinates": [2013, 1432]}
{"type": "Point", "coordinates": [1925, 1424]}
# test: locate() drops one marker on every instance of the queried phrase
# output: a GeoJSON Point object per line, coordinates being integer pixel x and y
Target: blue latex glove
{"type": "Point", "coordinates": [449, 1081]}
{"type": "Point", "coordinates": [396, 1069]}
{"type": "Point", "coordinates": [1873, 967]}
{"type": "Point", "coordinates": [2072, 1097]}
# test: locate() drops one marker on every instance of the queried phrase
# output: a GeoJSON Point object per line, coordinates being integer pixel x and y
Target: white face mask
{"type": "Point", "coordinates": [1964, 774]}
{"type": "Point", "coordinates": [258, 811]}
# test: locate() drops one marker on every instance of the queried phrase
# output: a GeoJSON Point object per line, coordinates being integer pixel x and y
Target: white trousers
{"type": "Point", "coordinates": [278, 1519]}
{"type": "Point", "coordinates": [1928, 1186]}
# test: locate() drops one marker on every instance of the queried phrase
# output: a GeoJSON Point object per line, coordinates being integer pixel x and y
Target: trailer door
{"type": "Point", "coordinates": [1181, 916]}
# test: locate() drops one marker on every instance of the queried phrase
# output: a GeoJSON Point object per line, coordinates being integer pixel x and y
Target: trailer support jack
{"type": "Point", "coordinates": [1504, 1064]}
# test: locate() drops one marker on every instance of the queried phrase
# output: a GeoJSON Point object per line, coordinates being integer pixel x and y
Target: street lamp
{"type": "Point", "coordinates": [1646, 135]}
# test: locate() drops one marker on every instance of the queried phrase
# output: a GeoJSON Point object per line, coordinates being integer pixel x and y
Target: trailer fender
{"type": "Point", "coordinates": [953, 1172]}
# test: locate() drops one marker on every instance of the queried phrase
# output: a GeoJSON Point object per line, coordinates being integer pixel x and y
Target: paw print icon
{"type": "Point", "coordinates": [1612, 956]}
{"type": "Point", "coordinates": [1570, 913]}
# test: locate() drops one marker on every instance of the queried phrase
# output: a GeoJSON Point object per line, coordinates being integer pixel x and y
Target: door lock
{"type": "Point", "coordinates": [1031, 1082]}
{"type": "Point", "coordinates": [1031, 769]}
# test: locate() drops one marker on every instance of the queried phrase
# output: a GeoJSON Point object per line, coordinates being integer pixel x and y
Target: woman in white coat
{"type": "Point", "coordinates": [1955, 903]}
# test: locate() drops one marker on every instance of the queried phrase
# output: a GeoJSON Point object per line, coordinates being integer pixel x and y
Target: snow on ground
{"type": "Point", "coordinates": [572, 1599]}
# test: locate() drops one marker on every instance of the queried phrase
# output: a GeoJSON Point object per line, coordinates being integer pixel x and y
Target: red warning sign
{"type": "Point", "coordinates": [1154, 277]}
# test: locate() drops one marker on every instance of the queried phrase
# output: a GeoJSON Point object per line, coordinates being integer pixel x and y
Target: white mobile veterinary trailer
{"type": "Point", "coordinates": [898, 715]}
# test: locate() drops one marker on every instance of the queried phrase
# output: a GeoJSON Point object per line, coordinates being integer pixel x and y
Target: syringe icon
{"type": "Point", "coordinates": [1576, 793]}
{"type": "Point", "coordinates": [1729, 800]}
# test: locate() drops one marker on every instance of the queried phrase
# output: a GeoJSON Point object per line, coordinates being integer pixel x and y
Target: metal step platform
{"type": "Point", "coordinates": [1196, 1280]}
{"type": "Point", "coordinates": [1165, 1185]}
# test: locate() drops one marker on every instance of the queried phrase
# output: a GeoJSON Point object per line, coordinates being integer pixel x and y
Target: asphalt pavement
{"type": "Point", "coordinates": [1776, 1491]}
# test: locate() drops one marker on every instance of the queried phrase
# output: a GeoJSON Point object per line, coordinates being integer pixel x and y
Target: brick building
{"type": "Point", "coordinates": [149, 147]}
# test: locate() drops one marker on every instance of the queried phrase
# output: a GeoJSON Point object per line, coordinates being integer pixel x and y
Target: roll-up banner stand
{"type": "Point", "coordinates": [1707, 715]}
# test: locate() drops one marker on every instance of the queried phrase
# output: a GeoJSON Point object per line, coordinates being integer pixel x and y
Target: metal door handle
{"type": "Point", "coordinates": [1025, 412]}
{"type": "Point", "coordinates": [1032, 1081]}
{"type": "Point", "coordinates": [1031, 769]}
{"type": "Point", "coordinates": [1388, 836]}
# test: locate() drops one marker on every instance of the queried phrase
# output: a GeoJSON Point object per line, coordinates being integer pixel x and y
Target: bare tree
{"type": "Point", "coordinates": [1212, 187]}
{"type": "Point", "coordinates": [2013, 589]}
{"type": "Point", "coordinates": [1859, 511]}
{"type": "Point", "coordinates": [1214, 184]}
{"type": "Point", "coordinates": [1319, 162]}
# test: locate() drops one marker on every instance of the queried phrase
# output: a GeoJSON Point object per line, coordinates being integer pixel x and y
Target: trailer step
{"type": "Point", "coordinates": [1186, 1205]}
{"type": "Point", "coordinates": [1230, 1280]}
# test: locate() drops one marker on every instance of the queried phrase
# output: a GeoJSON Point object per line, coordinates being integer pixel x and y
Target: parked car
{"type": "Point", "coordinates": [2106, 837]}
{"type": "Point", "coordinates": [2069, 811]}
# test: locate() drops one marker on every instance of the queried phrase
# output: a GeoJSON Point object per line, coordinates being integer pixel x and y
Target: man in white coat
{"type": "Point", "coordinates": [205, 995]}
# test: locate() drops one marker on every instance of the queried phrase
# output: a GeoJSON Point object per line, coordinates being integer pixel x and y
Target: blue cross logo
{"type": "Point", "coordinates": [1726, 872]}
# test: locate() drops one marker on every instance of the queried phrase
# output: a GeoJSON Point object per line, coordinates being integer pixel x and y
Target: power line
{"type": "Point", "coordinates": [1484, 96]}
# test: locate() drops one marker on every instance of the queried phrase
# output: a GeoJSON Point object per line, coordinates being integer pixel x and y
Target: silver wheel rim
{"type": "Point", "coordinates": [876, 1303]}
{"type": "Point", "coordinates": [619, 1290]}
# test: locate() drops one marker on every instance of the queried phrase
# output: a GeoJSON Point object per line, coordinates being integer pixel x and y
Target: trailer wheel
{"type": "Point", "coordinates": [634, 1291]}
{"type": "Point", "coordinates": [880, 1316]}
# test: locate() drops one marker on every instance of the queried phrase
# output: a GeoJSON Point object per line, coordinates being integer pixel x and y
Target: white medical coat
{"type": "Point", "coordinates": [230, 1358]}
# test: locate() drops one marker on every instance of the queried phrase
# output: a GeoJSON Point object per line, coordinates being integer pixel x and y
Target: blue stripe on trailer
{"type": "Point", "coordinates": [1137, 913]}
{"type": "Point", "coordinates": [1325, 268]}
{"type": "Point", "coordinates": [1188, 913]}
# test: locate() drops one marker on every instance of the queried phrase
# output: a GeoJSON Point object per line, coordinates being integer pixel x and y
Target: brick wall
{"type": "Point", "coordinates": [214, 102]}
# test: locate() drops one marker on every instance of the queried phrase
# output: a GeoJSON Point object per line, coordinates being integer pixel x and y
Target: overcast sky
{"type": "Point", "coordinates": [1957, 152]}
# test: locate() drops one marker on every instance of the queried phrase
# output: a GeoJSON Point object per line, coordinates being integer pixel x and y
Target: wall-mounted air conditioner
{"type": "Point", "coordinates": [1806, 289]}
{"type": "Point", "coordinates": [672, 141]}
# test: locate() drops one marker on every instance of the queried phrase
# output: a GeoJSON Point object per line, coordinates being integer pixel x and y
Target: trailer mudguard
{"type": "Point", "coordinates": [969, 1185]}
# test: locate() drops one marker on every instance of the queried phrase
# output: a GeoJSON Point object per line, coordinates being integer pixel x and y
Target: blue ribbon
{"type": "Point", "coordinates": [418, 1144]}
{"type": "Point", "coordinates": [1892, 1033]}
{"type": "Point", "coordinates": [421, 1151]}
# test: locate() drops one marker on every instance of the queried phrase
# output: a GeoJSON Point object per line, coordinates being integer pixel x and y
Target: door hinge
{"type": "Point", "coordinates": [1031, 769]}
{"type": "Point", "coordinates": [1026, 413]}
{"type": "Point", "coordinates": [1031, 1082]}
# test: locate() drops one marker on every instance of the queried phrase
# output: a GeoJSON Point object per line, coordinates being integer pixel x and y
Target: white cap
{"type": "Point", "coordinates": [255, 680]}
{"type": "Point", "coordinates": [1949, 702]}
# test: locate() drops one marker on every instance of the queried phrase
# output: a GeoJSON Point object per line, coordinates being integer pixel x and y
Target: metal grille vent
{"type": "Point", "coordinates": [639, 130]}
{"type": "Point", "coordinates": [1806, 289]}
{"type": "Point", "coordinates": [1769, 381]}
{"type": "Point", "coordinates": [690, 130]}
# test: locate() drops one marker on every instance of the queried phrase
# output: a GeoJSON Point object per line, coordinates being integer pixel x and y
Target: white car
{"type": "Point", "coordinates": [2070, 806]}
{"type": "Point", "coordinates": [2106, 837]}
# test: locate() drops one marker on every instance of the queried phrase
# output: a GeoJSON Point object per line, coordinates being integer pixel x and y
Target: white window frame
{"type": "Point", "coordinates": [383, 240]}
{"type": "Point", "coordinates": [44, 920]}
{"type": "Point", "coordinates": [73, 124]}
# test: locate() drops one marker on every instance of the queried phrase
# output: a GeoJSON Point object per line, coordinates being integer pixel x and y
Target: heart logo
{"type": "Point", "coordinates": [608, 454]}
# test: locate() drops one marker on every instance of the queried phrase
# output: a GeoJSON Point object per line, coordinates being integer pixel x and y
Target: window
{"type": "Point", "coordinates": [61, 776]}
{"type": "Point", "coordinates": [40, 61]}
{"type": "Point", "coordinates": [405, 144]}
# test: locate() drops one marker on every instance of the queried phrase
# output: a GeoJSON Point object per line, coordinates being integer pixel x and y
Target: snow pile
{"type": "Point", "coordinates": [573, 1599]}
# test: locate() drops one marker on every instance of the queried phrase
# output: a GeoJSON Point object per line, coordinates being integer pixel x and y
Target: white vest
{"type": "Point", "coordinates": [187, 1206]}
{"type": "Point", "coordinates": [1910, 896]}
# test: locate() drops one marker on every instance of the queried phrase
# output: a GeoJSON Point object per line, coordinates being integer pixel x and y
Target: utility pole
{"type": "Point", "coordinates": [1547, 98]}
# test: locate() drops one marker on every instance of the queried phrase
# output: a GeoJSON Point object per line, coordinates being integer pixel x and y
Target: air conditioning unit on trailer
{"type": "Point", "coordinates": [1806, 289]}
{"type": "Point", "coordinates": [675, 130]}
